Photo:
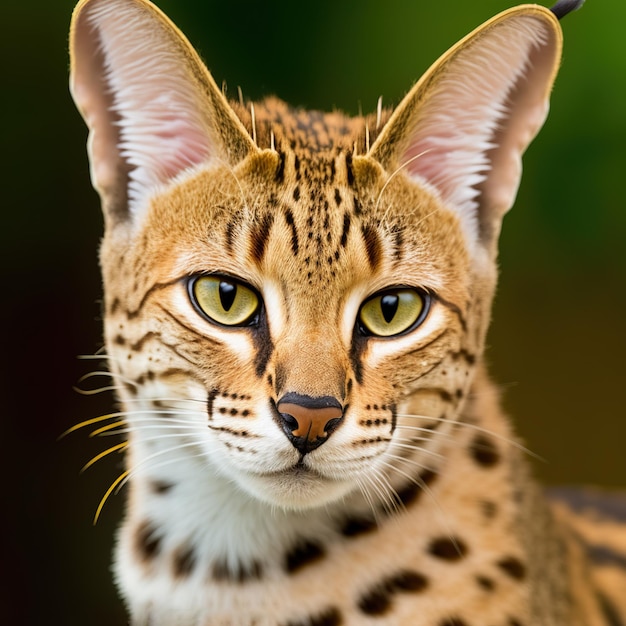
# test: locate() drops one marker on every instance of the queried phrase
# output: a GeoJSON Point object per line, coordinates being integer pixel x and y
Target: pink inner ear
{"type": "Point", "coordinates": [154, 118]}
{"type": "Point", "coordinates": [472, 124]}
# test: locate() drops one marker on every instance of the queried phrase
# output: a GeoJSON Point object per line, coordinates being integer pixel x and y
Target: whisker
{"type": "Point", "coordinates": [109, 491]}
{"type": "Point", "coordinates": [148, 459]}
{"type": "Point", "coordinates": [93, 392]}
{"type": "Point", "coordinates": [475, 427]}
{"type": "Point", "coordinates": [396, 172]}
{"type": "Point", "coordinates": [106, 428]}
{"type": "Point", "coordinates": [118, 447]}
{"type": "Point", "coordinates": [89, 422]}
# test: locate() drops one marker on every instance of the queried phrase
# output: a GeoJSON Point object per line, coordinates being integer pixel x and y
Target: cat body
{"type": "Point", "coordinates": [295, 313]}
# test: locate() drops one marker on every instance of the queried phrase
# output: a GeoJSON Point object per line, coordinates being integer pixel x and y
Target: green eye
{"type": "Point", "coordinates": [224, 300]}
{"type": "Point", "coordinates": [393, 312]}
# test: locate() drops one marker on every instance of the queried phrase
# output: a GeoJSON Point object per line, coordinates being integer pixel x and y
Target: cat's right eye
{"type": "Point", "coordinates": [224, 300]}
{"type": "Point", "coordinates": [393, 312]}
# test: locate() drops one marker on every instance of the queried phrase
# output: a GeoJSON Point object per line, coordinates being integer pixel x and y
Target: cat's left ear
{"type": "Point", "coordinates": [463, 127]}
{"type": "Point", "coordinates": [153, 110]}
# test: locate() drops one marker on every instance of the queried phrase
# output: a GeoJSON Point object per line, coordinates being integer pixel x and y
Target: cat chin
{"type": "Point", "coordinates": [295, 489]}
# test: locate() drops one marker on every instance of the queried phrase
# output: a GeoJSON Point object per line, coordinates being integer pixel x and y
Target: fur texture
{"type": "Point", "coordinates": [362, 253]}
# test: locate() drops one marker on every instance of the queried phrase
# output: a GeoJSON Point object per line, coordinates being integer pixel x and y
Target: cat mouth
{"type": "Point", "coordinates": [298, 470]}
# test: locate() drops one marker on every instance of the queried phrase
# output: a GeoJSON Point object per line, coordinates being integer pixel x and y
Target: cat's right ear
{"type": "Point", "coordinates": [152, 108]}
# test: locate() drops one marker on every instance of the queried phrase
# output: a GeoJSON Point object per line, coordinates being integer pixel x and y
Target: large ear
{"type": "Point", "coordinates": [463, 127]}
{"type": "Point", "coordinates": [152, 108]}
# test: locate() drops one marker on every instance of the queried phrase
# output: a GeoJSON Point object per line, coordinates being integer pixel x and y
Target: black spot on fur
{"type": "Point", "coordinates": [147, 542]}
{"type": "Point", "coordinates": [349, 170]}
{"type": "Point", "coordinates": [346, 230]}
{"type": "Point", "coordinates": [513, 567]}
{"type": "Point", "coordinates": [408, 581]}
{"type": "Point", "coordinates": [485, 583]}
{"type": "Point", "coordinates": [378, 600]}
{"type": "Point", "coordinates": [184, 562]}
{"type": "Point", "coordinates": [279, 176]}
{"type": "Point", "coordinates": [330, 617]}
{"type": "Point", "coordinates": [448, 548]}
{"type": "Point", "coordinates": [453, 621]}
{"type": "Point", "coordinates": [337, 196]}
{"type": "Point", "coordinates": [489, 508]}
{"type": "Point", "coordinates": [355, 526]}
{"type": "Point", "coordinates": [294, 232]}
{"type": "Point", "coordinates": [242, 573]}
{"type": "Point", "coordinates": [375, 602]}
{"type": "Point", "coordinates": [161, 487]}
{"type": "Point", "coordinates": [303, 554]}
{"type": "Point", "coordinates": [484, 451]}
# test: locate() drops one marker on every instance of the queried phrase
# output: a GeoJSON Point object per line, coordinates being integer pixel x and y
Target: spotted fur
{"type": "Point", "coordinates": [296, 469]}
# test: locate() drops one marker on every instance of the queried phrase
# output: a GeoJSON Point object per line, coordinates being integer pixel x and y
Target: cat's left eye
{"type": "Point", "coordinates": [224, 300]}
{"type": "Point", "coordinates": [393, 312]}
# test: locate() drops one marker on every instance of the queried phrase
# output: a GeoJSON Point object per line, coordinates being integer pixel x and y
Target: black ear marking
{"type": "Point", "coordinates": [563, 7]}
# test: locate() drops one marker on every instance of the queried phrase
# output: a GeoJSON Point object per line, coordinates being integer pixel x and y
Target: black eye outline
{"type": "Point", "coordinates": [252, 321]}
{"type": "Point", "coordinates": [426, 297]}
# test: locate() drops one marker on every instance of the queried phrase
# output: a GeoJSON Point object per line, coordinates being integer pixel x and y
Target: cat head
{"type": "Point", "coordinates": [292, 279]}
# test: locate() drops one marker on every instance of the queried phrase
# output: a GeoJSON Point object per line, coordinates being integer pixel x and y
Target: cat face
{"type": "Point", "coordinates": [297, 300]}
{"type": "Point", "coordinates": [308, 288]}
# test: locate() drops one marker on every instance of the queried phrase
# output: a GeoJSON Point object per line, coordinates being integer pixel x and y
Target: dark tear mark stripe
{"type": "Point", "coordinates": [294, 231]}
{"type": "Point", "coordinates": [263, 345]}
{"type": "Point", "coordinates": [609, 611]}
{"type": "Point", "coordinates": [259, 238]}
{"type": "Point", "coordinates": [373, 246]}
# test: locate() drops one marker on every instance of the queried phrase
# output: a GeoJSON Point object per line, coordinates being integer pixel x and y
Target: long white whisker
{"type": "Point", "coordinates": [495, 435]}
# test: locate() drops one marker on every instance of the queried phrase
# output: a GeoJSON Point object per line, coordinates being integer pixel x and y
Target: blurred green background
{"type": "Point", "coordinates": [558, 343]}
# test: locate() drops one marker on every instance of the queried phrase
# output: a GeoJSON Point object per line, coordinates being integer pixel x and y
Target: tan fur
{"type": "Point", "coordinates": [419, 509]}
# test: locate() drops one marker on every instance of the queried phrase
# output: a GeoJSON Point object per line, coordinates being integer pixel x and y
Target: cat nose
{"type": "Point", "coordinates": [308, 422]}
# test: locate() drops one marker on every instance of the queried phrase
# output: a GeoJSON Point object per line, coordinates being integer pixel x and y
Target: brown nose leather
{"type": "Point", "coordinates": [311, 421]}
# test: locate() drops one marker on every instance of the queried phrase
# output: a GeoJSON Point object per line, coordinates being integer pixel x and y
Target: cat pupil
{"type": "Point", "coordinates": [389, 306]}
{"type": "Point", "coordinates": [228, 291]}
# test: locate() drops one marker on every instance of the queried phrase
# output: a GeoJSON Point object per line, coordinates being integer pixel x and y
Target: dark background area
{"type": "Point", "coordinates": [558, 342]}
